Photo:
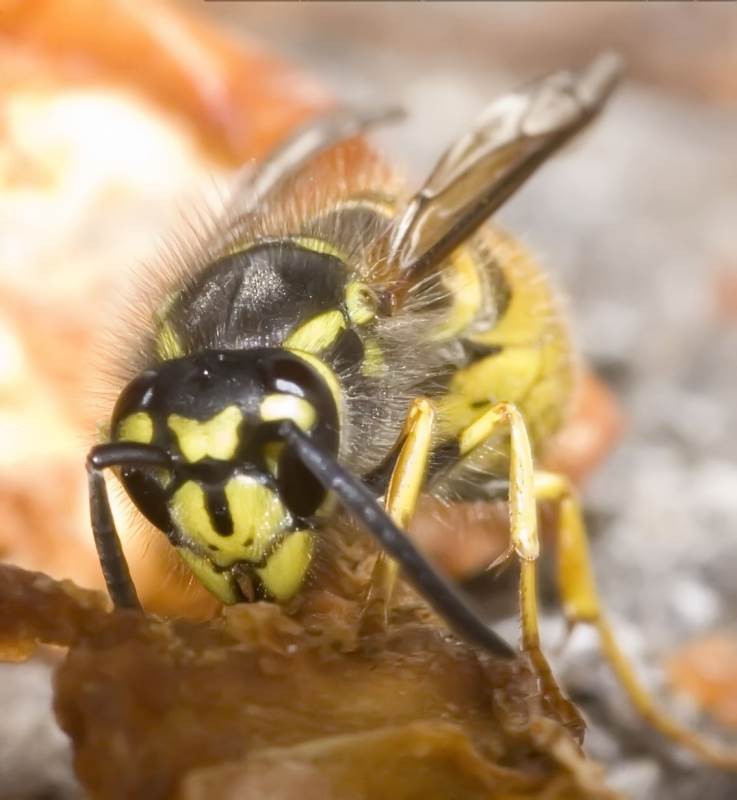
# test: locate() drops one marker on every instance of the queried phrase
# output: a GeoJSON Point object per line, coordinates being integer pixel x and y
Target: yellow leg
{"type": "Point", "coordinates": [582, 605]}
{"type": "Point", "coordinates": [524, 540]}
{"type": "Point", "coordinates": [405, 484]}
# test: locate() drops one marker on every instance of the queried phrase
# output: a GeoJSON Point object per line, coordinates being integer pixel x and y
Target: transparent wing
{"type": "Point", "coordinates": [336, 126]}
{"type": "Point", "coordinates": [512, 138]}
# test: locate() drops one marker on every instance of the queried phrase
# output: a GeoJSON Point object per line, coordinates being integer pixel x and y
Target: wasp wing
{"type": "Point", "coordinates": [511, 139]}
{"type": "Point", "coordinates": [298, 150]}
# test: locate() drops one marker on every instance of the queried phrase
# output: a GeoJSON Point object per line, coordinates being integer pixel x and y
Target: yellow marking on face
{"type": "Point", "coordinates": [318, 333]}
{"type": "Point", "coordinates": [462, 281]}
{"type": "Point", "coordinates": [258, 518]}
{"type": "Point", "coordinates": [221, 584]}
{"type": "Point", "coordinates": [167, 343]}
{"type": "Point", "coordinates": [287, 566]}
{"type": "Point", "coordinates": [373, 365]}
{"type": "Point", "coordinates": [287, 406]}
{"type": "Point", "coordinates": [326, 374]}
{"type": "Point", "coordinates": [318, 246]}
{"type": "Point", "coordinates": [138, 427]}
{"type": "Point", "coordinates": [189, 512]}
{"type": "Point", "coordinates": [216, 437]}
{"type": "Point", "coordinates": [360, 302]}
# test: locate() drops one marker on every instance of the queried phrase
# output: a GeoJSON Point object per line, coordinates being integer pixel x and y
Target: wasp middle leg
{"type": "Point", "coordinates": [506, 418]}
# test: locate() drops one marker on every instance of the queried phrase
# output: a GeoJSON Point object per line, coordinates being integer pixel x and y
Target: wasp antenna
{"type": "Point", "coordinates": [115, 570]}
{"type": "Point", "coordinates": [359, 500]}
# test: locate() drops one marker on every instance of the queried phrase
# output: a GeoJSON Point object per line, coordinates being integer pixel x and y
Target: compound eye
{"type": "Point", "coordinates": [275, 407]}
{"type": "Point", "coordinates": [301, 493]}
{"type": "Point", "coordinates": [298, 488]}
{"type": "Point", "coordinates": [133, 401]}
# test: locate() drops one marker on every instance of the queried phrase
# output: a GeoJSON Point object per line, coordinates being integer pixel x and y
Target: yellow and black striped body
{"type": "Point", "coordinates": [306, 277]}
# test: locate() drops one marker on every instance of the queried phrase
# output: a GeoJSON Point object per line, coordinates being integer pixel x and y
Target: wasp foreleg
{"type": "Point", "coordinates": [524, 539]}
{"type": "Point", "coordinates": [406, 483]}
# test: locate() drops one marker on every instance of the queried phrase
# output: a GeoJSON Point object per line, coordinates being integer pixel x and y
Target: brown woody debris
{"type": "Point", "coordinates": [256, 703]}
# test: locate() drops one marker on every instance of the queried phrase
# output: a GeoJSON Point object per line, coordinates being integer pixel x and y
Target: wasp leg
{"type": "Point", "coordinates": [405, 485]}
{"type": "Point", "coordinates": [524, 540]}
{"type": "Point", "coordinates": [114, 566]}
{"type": "Point", "coordinates": [581, 604]}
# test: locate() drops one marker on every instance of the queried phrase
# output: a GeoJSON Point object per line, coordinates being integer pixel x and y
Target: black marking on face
{"type": "Point", "coordinates": [217, 507]}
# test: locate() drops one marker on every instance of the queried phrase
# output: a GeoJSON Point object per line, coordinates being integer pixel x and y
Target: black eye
{"type": "Point", "coordinates": [287, 374]}
{"type": "Point", "coordinates": [298, 489]}
{"type": "Point", "coordinates": [290, 374]}
{"type": "Point", "coordinates": [201, 379]}
{"type": "Point", "coordinates": [137, 396]}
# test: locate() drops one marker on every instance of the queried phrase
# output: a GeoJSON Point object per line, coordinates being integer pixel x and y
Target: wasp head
{"type": "Point", "coordinates": [231, 490]}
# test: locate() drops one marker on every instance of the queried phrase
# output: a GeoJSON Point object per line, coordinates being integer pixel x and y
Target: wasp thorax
{"type": "Point", "coordinates": [232, 489]}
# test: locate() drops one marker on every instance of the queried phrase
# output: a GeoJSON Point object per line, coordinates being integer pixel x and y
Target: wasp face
{"type": "Point", "coordinates": [232, 492]}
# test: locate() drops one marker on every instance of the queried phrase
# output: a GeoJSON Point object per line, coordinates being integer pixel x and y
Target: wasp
{"type": "Point", "coordinates": [333, 346]}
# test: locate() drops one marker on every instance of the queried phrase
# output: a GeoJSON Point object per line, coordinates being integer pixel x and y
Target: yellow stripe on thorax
{"type": "Point", "coordinates": [374, 363]}
{"type": "Point", "coordinates": [316, 245]}
{"type": "Point", "coordinates": [530, 314]}
{"type": "Point", "coordinates": [360, 302]}
{"type": "Point", "coordinates": [318, 333]}
{"type": "Point", "coordinates": [167, 343]}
